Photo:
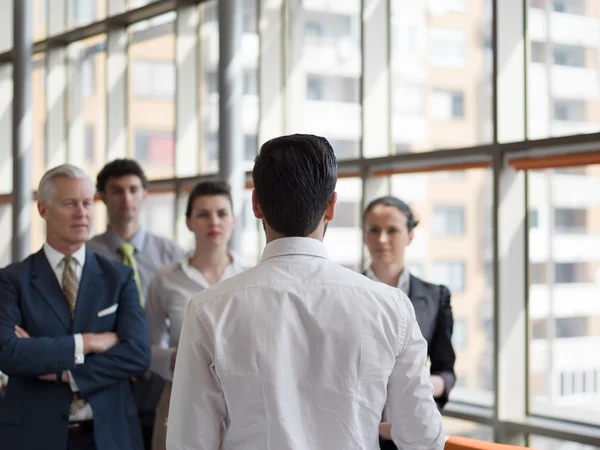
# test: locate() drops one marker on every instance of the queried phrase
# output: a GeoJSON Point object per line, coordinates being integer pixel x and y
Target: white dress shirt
{"type": "Point", "coordinates": [301, 353]}
{"type": "Point", "coordinates": [169, 292]}
{"type": "Point", "coordinates": [57, 262]}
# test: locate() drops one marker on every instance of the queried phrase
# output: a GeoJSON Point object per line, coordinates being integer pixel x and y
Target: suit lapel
{"type": "Point", "coordinates": [89, 285]}
{"type": "Point", "coordinates": [44, 280]}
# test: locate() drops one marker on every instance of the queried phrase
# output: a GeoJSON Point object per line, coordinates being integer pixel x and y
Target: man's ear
{"type": "Point", "coordinates": [256, 206]}
{"type": "Point", "coordinates": [43, 209]}
{"type": "Point", "coordinates": [330, 210]}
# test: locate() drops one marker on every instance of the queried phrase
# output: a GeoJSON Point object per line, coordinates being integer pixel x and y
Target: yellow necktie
{"type": "Point", "coordinates": [70, 287]}
{"type": "Point", "coordinates": [127, 250]}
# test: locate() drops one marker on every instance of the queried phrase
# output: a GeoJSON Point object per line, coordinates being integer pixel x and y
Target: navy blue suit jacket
{"type": "Point", "coordinates": [34, 413]}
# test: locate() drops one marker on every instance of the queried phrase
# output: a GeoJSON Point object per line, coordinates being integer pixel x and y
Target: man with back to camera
{"type": "Point", "coordinates": [122, 185]}
{"type": "Point", "coordinates": [299, 352]}
{"type": "Point", "coordinates": [72, 333]}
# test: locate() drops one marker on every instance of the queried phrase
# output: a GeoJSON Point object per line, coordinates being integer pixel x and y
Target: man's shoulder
{"type": "Point", "coordinates": [110, 267]}
{"type": "Point", "coordinates": [170, 246]}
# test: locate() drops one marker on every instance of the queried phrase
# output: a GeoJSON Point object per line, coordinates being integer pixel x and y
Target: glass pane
{"type": "Point", "coordinates": [85, 12]}
{"type": "Point", "coordinates": [343, 238]}
{"type": "Point", "coordinates": [37, 230]}
{"type": "Point", "coordinates": [87, 111]}
{"type": "Point", "coordinates": [6, 231]}
{"type": "Point", "coordinates": [6, 96]}
{"type": "Point", "coordinates": [152, 97]}
{"type": "Point", "coordinates": [6, 26]}
{"type": "Point", "coordinates": [546, 443]}
{"type": "Point", "coordinates": [452, 245]}
{"type": "Point", "coordinates": [38, 93]}
{"type": "Point", "coordinates": [253, 237]}
{"type": "Point", "coordinates": [564, 287]}
{"type": "Point", "coordinates": [326, 70]}
{"type": "Point", "coordinates": [563, 81]}
{"type": "Point", "coordinates": [40, 19]}
{"type": "Point", "coordinates": [472, 430]}
{"type": "Point", "coordinates": [158, 214]}
{"type": "Point", "coordinates": [209, 88]}
{"type": "Point", "coordinates": [441, 74]}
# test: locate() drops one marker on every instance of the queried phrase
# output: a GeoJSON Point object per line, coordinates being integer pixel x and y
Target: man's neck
{"type": "Point", "coordinates": [125, 230]}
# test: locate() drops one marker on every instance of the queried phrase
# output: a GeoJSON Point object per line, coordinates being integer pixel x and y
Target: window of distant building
{"type": "Point", "coordinates": [153, 79]}
{"type": "Point", "coordinates": [82, 11]}
{"type": "Point", "coordinates": [570, 220]}
{"type": "Point", "coordinates": [447, 105]}
{"type": "Point", "coordinates": [447, 48]}
{"type": "Point", "coordinates": [448, 220]}
{"type": "Point", "coordinates": [450, 274]}
{"type": "Point", "coordinates": [155, 148]}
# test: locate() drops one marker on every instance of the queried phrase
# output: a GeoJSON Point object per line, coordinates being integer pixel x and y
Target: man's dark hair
{"type": "Point", "coordinates": [395, 202]}
{"type": "Point", "coordinates": [119, 168]}
{"type": "Point", "coordinates": [208, 189]}
{"type": "Point", "coordinates": [294, 178]}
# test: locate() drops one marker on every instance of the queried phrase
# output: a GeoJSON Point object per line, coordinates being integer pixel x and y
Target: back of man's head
{"type": "Point", "coordinates": [294, 178]}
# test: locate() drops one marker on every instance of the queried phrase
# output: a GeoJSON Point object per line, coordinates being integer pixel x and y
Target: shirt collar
{"type": "Point", "coordinates": [403, 280]}
{"type": "Point", "coordinates": [294, 246]}
{"type": "Point", "coordinates": [55, 257]}
{"type": "Point", "coordinates": [191, 272]}
{"type": "Point", "coordinates": [137, 240]}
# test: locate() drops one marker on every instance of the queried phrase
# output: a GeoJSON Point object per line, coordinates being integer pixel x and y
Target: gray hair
{"type": "Point", "coordinates": [46, 186]}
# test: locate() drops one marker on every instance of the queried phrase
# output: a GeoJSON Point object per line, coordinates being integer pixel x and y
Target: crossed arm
{"type": "Point", "coordinates": [111, 357]}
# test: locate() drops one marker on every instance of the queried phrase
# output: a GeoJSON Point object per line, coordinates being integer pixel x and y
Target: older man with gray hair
{"type": "Point", "coordinates": [72, 333]}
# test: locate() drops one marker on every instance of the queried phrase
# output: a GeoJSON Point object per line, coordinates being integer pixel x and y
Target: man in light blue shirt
{"type": "Point", "coordinates": [122, 185]}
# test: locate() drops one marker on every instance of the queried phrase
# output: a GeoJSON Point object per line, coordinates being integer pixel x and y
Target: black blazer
{"type": "Point", "coordinates": [434, 316]}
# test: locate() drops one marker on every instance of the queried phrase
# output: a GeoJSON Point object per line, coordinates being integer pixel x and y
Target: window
{"type": "Point", "coordinates": [538, 273]}
{"type": "Point", "coordinates": [153, 79]}
{"type": "Point", "coordinates": [538, 52]}
{"type": "Point", "coordinates": [82, 11]}
{"type": "Point", "coordinates": [313, 33]}
{"type": "Point", "coordinates": [250, 146]}
{"type": "Point", "coordinates": [570, 110]}
{"type": "Point", "coordinates": [572, 273]}
{"type": "Point", "coordinates": [345, 149]}
{"type": "Point", "coordinates": [570, 327]}
{"type": "Point", "coordinates": [569, 55]}
{"type": "Point", "coordinates": [533, 218]}
{"type": "Point", "coordinates": [566, 293]}
{"type": "Point", "coordinates": [539, 329]}
{"type": "Point", "coordinates": [570, 219]}
{"type": "Point", "coordinates": [447, 48]}
{"type": "Point", "coordinates": [88, 76]}
{"type": "Point", "coordinates": [314, 88]}
{"type": "Point", "coordinates": [154, 148]}
{"type": "Point", "coordinates": [347, 214]}
{"type": "Point", "coordinates": [90, 148]}
{"type": "Point", "coordinates": [449, 220]}
{"type": "Point", "coordinates": [459, 335]}
{"type": "Point", "coordinates": [450, 274]}
{"type": "Point", "coordinates": [447, 105]}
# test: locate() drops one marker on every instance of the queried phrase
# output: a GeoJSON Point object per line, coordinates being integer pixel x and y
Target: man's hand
{"type": "Point", "coordinates": [52, 377]}
{"type": "Point", "coordinates": [385, 430]}
{"type": "Point", "coordinates": [21, 333]}
{"type": "Point", "coordinates": [99, 342]}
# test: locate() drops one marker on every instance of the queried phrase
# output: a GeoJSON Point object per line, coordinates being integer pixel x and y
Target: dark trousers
{"type": "Point", "coordinates": [147, 422]}
{"type": "Point", "coordinates": [85, 442]}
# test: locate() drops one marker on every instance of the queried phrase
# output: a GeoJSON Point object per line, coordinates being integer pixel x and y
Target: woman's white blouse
{"type": "Point", "coordinates": [168, 294]}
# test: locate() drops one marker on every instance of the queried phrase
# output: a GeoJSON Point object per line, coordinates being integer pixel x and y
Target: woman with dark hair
{"type": "Point", "coordinates": [209, 215]}
{"type": "Point", "coordinates": [388, 229]}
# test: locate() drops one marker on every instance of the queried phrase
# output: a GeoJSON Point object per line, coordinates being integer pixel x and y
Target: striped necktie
{"type": "Point", "coordinates": [70, 287]}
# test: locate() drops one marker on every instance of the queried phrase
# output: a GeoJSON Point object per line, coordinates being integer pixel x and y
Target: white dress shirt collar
{"type": "Point", "coordinates": [191, 272]}
{"type": "Point", "coordinates": [55, 258]}
{"type": "Point", "coordinates": [294, 246]}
